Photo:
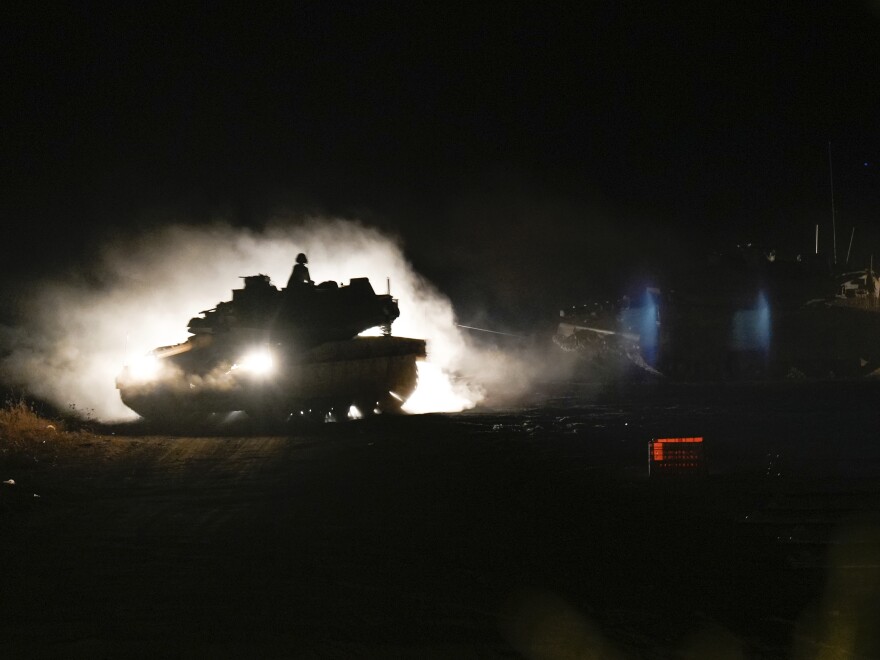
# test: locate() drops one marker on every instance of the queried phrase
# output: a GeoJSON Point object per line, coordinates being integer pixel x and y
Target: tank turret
{"type": "Point", "coordinates": [309, 315]}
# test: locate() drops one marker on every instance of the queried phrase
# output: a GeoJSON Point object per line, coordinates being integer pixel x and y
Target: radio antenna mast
{"type": "Point", "coordinates": [833, 214]}
{"type": "Point", "coordinates": [849, 249]}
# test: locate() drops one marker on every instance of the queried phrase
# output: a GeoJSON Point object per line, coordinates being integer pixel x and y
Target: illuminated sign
{"type": "Point", "coordinates": [676, 456]}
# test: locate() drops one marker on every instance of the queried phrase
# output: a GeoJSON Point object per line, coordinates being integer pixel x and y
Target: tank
{"type": "Point", "coordinates": [276, 353]}
{"type": "Point", "coordinates": [743, 314]}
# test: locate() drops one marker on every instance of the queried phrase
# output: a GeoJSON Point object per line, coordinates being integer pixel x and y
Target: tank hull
{"type": "Point", "coordinates": [374, 374]}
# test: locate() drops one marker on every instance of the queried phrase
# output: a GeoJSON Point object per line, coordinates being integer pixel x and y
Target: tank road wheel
{"type": "Point", "coordinates": [322, 411]}
{"type": "Point", "coordinates": [166, 411]}
{"type": "Point", "coordinates": [267, 416]}
{"type": "Point", "coordinates": [339, 410]}
{"type": "Point", "coordinates": [177, 419]}
{"type": "Point", "coordinates": [367, 406]}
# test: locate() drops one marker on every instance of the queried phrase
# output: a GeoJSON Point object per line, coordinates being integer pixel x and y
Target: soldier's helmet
{"type": "Point", "coordinates": [301, 258]}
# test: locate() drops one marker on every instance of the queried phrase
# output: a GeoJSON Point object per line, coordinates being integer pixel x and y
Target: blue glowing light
{"type": "Point", "coordinates": [752, 328]}
{"type": "Point", "coordinates": [648, 328]}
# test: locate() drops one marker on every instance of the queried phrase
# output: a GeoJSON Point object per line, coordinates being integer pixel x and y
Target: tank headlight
{"type": "Point", "coordinates": [144, 367]}
{"type": "Point", "coordinates": [258, 363]}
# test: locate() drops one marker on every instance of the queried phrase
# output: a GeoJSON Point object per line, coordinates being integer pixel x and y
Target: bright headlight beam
{"type": "Point", "coordinates": [259, 363]}
{"type": "Point", "coordinates": [144, 367]}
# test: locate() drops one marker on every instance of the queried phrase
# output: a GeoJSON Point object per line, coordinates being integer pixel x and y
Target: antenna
{"type": "Point", "coordinates": [870, 280]}
{"type": "Point", "coordinates": [817, 240]}
{"type": "Point", "coordinates": [849, 249]}
{"type": "Point", "coordinates": [833, 214]}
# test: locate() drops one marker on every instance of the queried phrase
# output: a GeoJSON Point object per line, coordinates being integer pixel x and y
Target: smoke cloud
{"type": "Point", "coordinates": [140, 293]}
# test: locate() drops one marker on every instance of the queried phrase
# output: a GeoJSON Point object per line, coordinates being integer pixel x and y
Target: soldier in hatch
{"type": "Point", "coordinates": [299, 278]}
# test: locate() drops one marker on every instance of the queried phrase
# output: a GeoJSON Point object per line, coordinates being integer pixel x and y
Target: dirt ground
{"type": "Point", "coordinates": [530, 532]}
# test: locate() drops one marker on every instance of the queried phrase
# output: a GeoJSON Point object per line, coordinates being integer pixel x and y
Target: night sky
{"type": "Point", "coordinates": [526, 154]}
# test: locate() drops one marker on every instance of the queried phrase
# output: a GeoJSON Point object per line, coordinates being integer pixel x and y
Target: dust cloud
{"type": "Point", "coordinates": [139, 294]}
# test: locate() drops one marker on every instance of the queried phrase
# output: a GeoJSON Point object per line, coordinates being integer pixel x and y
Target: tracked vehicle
{"type": "Point", "coordinates": [738, 315]}
{"type": "Point", "coordinates": [276, 353]}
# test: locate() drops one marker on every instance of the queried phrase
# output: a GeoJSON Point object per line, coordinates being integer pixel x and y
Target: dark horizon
{"type": "Point", "coordinates": [525, 155]}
